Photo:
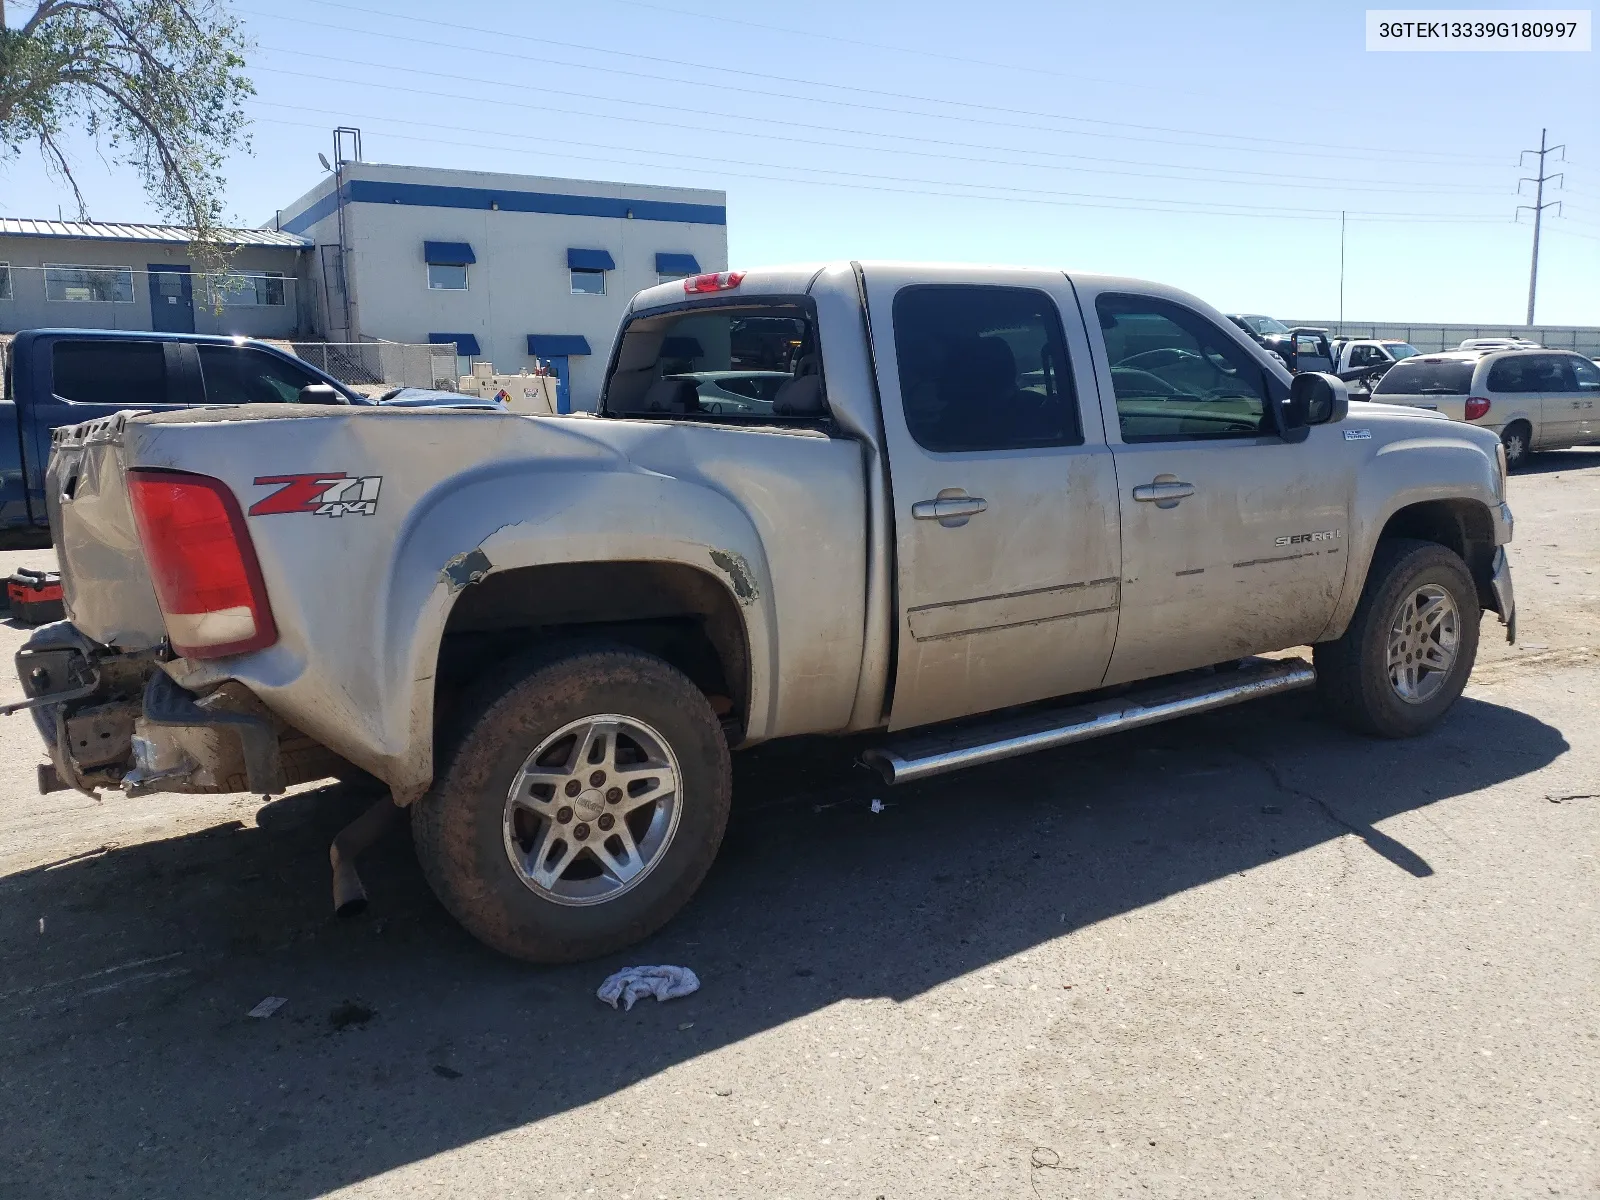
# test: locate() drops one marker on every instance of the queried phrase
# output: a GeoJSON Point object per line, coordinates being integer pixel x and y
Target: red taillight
{"type": "Point", "coordinates": [1477, 406]}
{"type": "Point", "coordinates": [717, 281]}
{"type": "Point", "coordinates": [202, 563]}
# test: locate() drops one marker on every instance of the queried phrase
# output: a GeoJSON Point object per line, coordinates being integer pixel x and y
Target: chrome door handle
{"type": "Point", "coordinates": [952, 510]}
{"type": "Point", "coordinates": [1164, 493]}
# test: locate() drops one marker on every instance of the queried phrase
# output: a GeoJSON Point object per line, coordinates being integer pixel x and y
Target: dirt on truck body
{"type": "Point", "coordinates": [967, 512]}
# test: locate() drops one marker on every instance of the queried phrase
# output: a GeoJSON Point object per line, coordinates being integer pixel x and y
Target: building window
{"type": "Point", "coordinates": [5, 281]}
{"type": "Point", "coordinates": [447, 277]}
{"type": "Point", "coordinates": [675, 265]}
{"type": "Point", "coordinates": [249, 291]}
{"type": "Point", "coordinates": [103, 285]}
{"type": "Point", "coordinates": [586, 282]}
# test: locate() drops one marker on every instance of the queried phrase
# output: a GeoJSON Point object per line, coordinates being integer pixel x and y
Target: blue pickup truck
{"type": "Point", "coordinates": [57, 377]}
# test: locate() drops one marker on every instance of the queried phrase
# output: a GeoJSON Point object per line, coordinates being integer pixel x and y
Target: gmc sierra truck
{"type": "Point", "coordinates": [985, 511]}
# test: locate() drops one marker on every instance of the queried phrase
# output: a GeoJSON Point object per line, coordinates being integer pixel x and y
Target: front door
{"type": "Point", "coordinates": [1004, 494]}
{"type": "Point", "coordinates": [1234, 541]}
{"type": "Point", "coordinates": [171, 299]}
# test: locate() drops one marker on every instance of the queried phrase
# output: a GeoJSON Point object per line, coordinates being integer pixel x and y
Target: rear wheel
{"type": "Point", "coordinates": [1410, 646]}
{"type": "Point", "coordinates": [581, 807]}
{"type": "Point", "coordinates": [1516, 438]}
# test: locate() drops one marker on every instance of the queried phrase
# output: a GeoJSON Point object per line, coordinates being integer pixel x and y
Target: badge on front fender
{"type": "Point", "coordinates": [323, 495]}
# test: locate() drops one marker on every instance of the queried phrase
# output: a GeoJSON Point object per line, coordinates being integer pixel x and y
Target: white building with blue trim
{"type": "Point", "coordinates": [511, 268]}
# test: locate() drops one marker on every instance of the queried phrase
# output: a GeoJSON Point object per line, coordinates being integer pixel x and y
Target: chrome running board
{"type": "Point", "coordinates": [921, 755]}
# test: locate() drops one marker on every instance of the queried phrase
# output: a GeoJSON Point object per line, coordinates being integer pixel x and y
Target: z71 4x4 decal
{"type": "Point", "coordinates": [324, 495]}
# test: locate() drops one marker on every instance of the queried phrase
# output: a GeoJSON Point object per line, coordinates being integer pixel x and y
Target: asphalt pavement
{"type": "Point", "coordinates": [1241, 955]}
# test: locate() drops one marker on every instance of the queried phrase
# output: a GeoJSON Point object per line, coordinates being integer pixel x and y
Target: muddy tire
{"type": "Point", "coordinates": [1516, 437]}
{"type": "Point", "coordinates": [582, 799]}
{"type": "Point", "coordinates": [1410, 646]}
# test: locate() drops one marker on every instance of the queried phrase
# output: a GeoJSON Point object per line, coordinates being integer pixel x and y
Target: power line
{"type": "Point", "coordinates": [1136, 204]}
{"type": "Point", "coordinates": [1464, 189]}
{"type": "Point", "coordinates": [1268, 145]}
{"type": "Point", "coordinates": [943, 155]}
{"type": "Point", "coordinates": [1538, 206]}
{"type": "Point", "coordinates": [933, 54]}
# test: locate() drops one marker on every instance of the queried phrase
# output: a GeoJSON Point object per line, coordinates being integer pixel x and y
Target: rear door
{"type": "Point", "coordinates": [1233, 539]}
{"type": "Point", "coordinates": [1533, 387]}
{"type": "Point", "coordinates": [1003, 489]}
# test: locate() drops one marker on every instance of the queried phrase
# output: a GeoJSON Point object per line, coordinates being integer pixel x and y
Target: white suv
{"type": "Point", "coordinates": [1534, 399]}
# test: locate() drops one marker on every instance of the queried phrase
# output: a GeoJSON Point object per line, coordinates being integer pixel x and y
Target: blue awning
{"type": "Point", "coordinates": [557, 345]}
{"type": "Point", "coordinates": [466, 343]}
{"type": "Point", "coordinates": [590, 260]}
{"type": "Point", "coordinates": [453, 254]}
{"type": "Point", "coordinates": [677, 264]}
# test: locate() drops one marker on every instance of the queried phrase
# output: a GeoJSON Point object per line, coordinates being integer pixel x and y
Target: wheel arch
{"type": "Point", "coordinates": [1464, 525]}
{"type": "Point", "coordinates": [683, 614]}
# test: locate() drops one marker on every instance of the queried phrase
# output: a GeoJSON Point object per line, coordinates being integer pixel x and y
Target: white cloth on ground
{"type": "Point", "coordinates": [635, 983]}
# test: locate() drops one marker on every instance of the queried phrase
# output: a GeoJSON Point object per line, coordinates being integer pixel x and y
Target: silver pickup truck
{"type": "Point", "coordinates": [965, 512]}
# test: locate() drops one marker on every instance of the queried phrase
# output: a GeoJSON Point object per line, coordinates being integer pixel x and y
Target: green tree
{"type": "Point", "coordinates": [159, 84]}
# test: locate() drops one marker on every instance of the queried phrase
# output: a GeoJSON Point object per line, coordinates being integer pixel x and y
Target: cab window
{"type": "Point", "coordinates": [751, 363]}
{"type": "Point", "coordinates": [983, 368]}
{"type": "Point", "coordinates": [1176, 376]}
{"type": "Point", "coordinates": [131, 373]}
{"type": "Point", "coordinates": [240, 375]}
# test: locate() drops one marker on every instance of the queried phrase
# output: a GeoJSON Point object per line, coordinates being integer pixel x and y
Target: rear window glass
{"type": "Point", "coordinates": [1428, 377]}
{"type": "Point", "coordinates": [132, 374]}
{"type": "Point", "coordinates": [750, 363]}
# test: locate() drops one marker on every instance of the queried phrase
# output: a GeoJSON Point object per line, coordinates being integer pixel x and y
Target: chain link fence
{"type": "Point", "coordinates": [379, 366]}
{"type": "Point", "coordinates": [1430, 338]}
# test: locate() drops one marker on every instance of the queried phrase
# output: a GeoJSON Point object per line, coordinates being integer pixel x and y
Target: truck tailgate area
{"type": "Point", "coordinates": [104, 579]}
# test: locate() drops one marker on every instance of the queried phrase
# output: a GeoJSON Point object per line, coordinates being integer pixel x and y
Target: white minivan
{"type": "Point", "coordinates": [1534, 399]}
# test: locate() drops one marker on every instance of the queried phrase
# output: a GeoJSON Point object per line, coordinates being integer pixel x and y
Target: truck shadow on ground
{"type": "Point", "coordinates": [131, 1067]}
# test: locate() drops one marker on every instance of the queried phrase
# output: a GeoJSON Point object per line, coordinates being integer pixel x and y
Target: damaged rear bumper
{"type": "Point", "coordinates": [117, 720]}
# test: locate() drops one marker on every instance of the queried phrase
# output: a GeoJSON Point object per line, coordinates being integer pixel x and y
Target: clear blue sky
{"type": "Point", "coordinates": [1208, 146]}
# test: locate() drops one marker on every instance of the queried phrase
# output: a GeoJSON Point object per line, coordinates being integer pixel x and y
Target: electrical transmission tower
{"type": "Point", "coordinates": [1538, 206]}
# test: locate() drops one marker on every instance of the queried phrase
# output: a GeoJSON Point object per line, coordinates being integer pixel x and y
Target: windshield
{"type": "Point", "coordinates": [1428, 377]}
{"type": "Point", "coordinates": [1399, 350]}
{"type": "Point", "coordinates": [747, 363]}
{"type": "Point", "coordinates": [1264, 325]}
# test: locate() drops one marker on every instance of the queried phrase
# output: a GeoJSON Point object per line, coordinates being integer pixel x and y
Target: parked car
{"type": "Point", "coordinates": [979, 491]}
{"type": "Point", "coordinates": [56, 377]}
{"type": "Point", "coordinates": [1302, 348]}
{"type": "Point", "coordinates": [1534, 400]}
{"type": "Point", "coordinates": [1361, 362]}
{"type": "Point", "coordinates": [1499, 343]}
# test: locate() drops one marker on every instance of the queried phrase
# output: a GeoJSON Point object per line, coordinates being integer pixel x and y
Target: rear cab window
{"type": "Point", "coordinates": [743, 363]}
{"type": "Point", "coordinates": [1428, 377]}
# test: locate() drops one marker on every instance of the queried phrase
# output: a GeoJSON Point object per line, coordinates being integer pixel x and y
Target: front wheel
{"type": "Point", "coordinates": [1410, 646]}
{"type": "Point", "coordinates": [580, 809]}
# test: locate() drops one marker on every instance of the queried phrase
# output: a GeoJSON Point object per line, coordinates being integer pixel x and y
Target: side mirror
{"type": "Point", "coordinates": [320, 393]}
{"type": "Point", "coordinates": [1316, 398]}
